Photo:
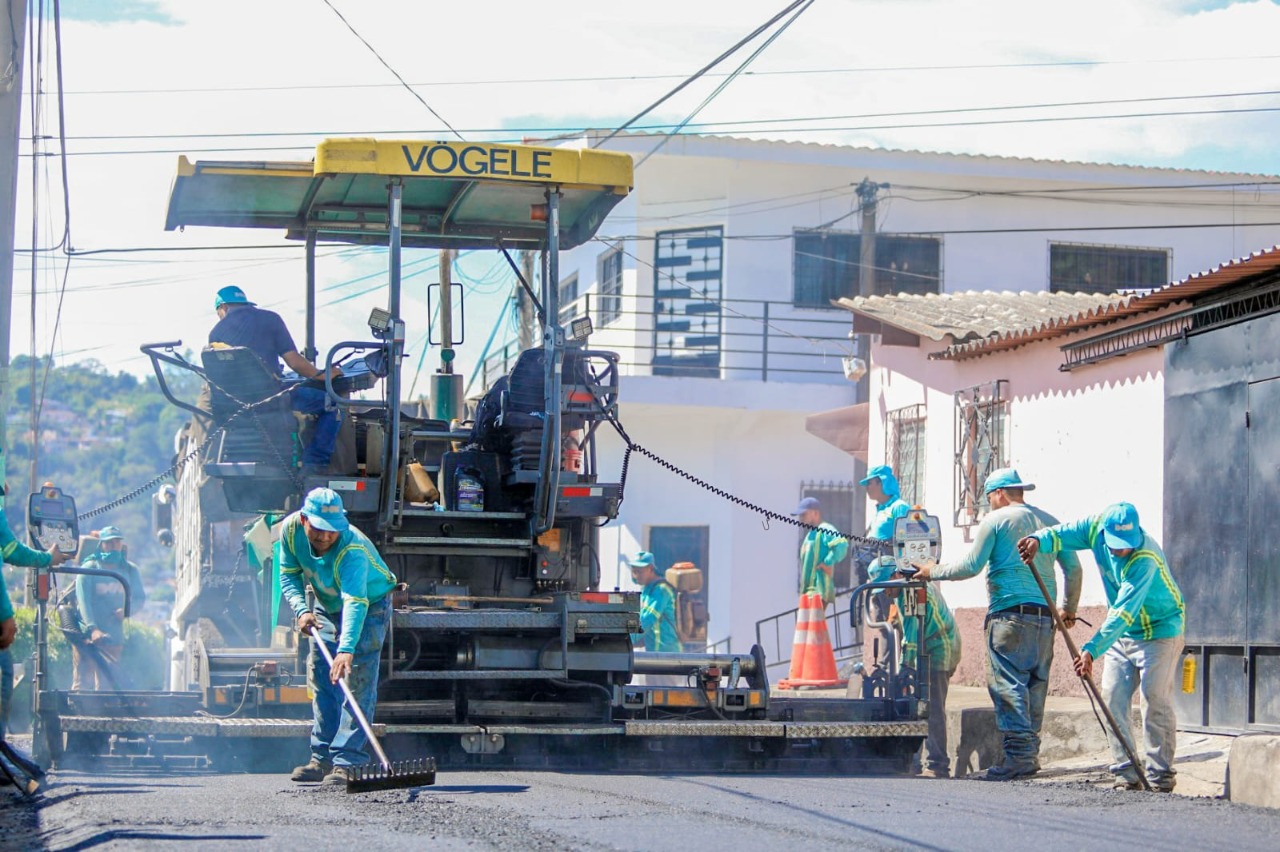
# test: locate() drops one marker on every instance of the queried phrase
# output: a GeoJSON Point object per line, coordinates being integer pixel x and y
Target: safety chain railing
{"type": "Point", "coordinates": [204, 445]}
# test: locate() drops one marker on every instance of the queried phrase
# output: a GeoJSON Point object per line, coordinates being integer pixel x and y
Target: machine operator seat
{"type": "Point", "coordinates": [256, 453]}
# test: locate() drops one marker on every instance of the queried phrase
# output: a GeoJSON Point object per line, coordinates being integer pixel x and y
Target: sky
{"type": "Point", "coordinates": [148, 80]}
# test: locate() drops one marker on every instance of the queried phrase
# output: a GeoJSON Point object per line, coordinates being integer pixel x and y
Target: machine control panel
{"type": "Point", "coordinates": [51, 520]}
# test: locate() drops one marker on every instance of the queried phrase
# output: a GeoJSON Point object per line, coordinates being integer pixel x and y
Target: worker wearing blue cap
{"type": "Point", "coordinates": [657, 606]}
{"type": "Point", "coordinates": [1019, 628]}
{"type": "Point", "coordinates": [352, 585]}
{"type": "Point", "coordinates": [242, 323]}
{"type": "Point", "coordinates": [100, 607]}
{"type": "Point", "coordinates": [823, 546]}
{"type": "Point", "coordinates": [1141, 638]}
{"type": "Point", "coordinates": [13, 552]}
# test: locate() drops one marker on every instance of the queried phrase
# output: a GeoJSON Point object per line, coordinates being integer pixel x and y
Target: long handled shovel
{"type": "Point", "coordinates": [383, 775]}
{"type": "Point", "coordinates": [1088, 681]}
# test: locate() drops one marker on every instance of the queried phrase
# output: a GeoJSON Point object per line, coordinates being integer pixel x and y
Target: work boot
{"type": "Point", "coordinates": [1122, 783]}
{"type": "Point", "coordinates": [1009, 771]}
{"type": "Point", "coordinates": [929, 772]}
{"type": "Point", "coordinates": [339, 776]}
{"type": "Point", "coordinates": [312, 771]}
{"type": "Point", "coordinates": [1162, 785]}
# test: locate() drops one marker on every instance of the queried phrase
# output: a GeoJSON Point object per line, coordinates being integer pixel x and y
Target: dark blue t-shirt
{"type": "Point", "coordinates": [260, 330]}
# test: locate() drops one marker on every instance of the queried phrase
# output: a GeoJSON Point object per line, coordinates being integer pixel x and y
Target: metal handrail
{"type": "Point", "coordinates": [755, 339]}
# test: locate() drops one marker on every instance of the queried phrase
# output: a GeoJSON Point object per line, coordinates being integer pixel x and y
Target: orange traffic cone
{"type": "Point", "coordinates": [813, 662]}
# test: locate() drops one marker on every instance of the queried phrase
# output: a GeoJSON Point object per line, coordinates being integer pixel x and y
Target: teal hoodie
{"type": "Point", "coordinates": [1144, 601]}
{"type": "Point", "coordinates": [347, 578]}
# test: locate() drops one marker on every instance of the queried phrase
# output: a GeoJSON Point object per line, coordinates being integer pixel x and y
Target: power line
{"type": "Point", "coordinates": [269, 134]}
{"type": "Point", "coordinates": [393, 71]}
{"type": "Point", "coordinates": [703, 70]}
{"type": "Point", "coordinates": [725, 83]}
{"type": "Point", "coordinates": [737, 130]}
{"type": "Point", "coordinates": [624, 78]}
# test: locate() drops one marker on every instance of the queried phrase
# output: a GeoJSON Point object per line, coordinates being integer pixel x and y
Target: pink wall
{"type": "Point", "coordinates": [1087, 438]}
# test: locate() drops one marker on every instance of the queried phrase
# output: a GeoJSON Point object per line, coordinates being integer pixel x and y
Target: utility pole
{"type": "Point", "coordinates": [867, 256]}
{"type": "Point", "coordinates": [867, 191]}
{"type": "Point", "coordinates": [446, 387]}
{"type": "Point", "coordinates": [12, 40]}
{"type": "Point", "coordinates": [525, 303]}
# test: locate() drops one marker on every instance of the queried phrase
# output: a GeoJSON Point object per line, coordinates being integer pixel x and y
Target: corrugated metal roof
{"type": "Point", "coordinates": [1229, 274]}
{"type": "Point", "coordinates": [983, 316]}
{"type": "Point", "coordinates": [593, 135]}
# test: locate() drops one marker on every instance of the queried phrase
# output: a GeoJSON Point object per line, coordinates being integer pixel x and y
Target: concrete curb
{"type": "Point", "coordinates": [1252, 776]}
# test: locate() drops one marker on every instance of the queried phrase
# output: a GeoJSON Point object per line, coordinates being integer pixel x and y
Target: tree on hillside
{"type": "Point", "coordinates": [102, 435]}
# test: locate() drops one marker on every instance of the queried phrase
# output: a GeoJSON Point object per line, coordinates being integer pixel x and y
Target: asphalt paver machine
{"type": "Point", "coordinates": [503, 650]}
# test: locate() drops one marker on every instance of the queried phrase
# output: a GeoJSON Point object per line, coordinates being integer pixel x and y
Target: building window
{"type": "Point", "coordinates": [610, 270]}
{"type": "Point", "coordinates": [825, 266]}
{"type": "Point", "coordinates": [688, 267]}
{"type": "Point", "coordinates": [982, 422]}
{"type": "Point", "coordinates": [904, 449]}
{"type": "Point", "coordinates": [1078, 268]}
{"type": "Point", "coordinates": [671, 546]}
{"type": "Point", "coordinates": [837, 500]}
{"type": "Point", "coordinates": [568, 298]}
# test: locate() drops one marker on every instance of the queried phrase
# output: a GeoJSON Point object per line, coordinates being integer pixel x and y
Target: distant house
{"type": "Point", "coordinates": [1169, 400]}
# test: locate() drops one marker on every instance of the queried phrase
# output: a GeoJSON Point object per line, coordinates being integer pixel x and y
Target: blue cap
{"type": "Point", "coordinates": [1005, 477]}
{"type": "Point", "coordinates": [643, 559]}
{"type": "Point", "coordinates": [888, 481]}
{"type": "Point", "coordinates": [231, 295]}
{"type": "Point", "coordinates": [806, 504]}
{"type": "Point", "coordinates": [1120, 527]}
{"type": "Point", "coordinates": [110, 534]}
{"type": "Point", "coordinates": [882, 569]}
{"type": "Point", "coordinates": [324, 510]}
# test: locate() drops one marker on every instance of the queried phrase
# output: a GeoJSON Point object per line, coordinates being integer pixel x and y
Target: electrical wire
{"type": "Point", "coordinates": [727, 81]}
{"type": "Point", "coordinates": [689, 80]}
{"type": "Point", "coordinates": [393, 71]}
{"type": "Point", "coordinates": [624, 78]}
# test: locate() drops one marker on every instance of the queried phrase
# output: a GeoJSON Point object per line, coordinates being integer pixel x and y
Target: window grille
{"type": "Point", "coordinates": [610, 269]}
{"type": "Point", "coordinates": [688, 268]}
{"type": "Point", "coordinates": [1080, 268]}
{"type": "Point", "coordinates": [904, 450]}
{"type": "Point", "coordinates": [568, 298]}
{"type": "Point", "coordinates": [825, 266]}
{"type": "Point", "coordinates": [981, 446]}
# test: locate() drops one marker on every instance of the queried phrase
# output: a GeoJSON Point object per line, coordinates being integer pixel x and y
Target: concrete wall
{"type": "Point", "coordinates": [758, 456]}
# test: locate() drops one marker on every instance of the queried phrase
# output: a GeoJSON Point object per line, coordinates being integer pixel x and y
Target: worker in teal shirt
{"type": "Point", "coordinates": [352, 587]}
{"type": "Point", "coordinates": [822, 548]}
{"type": "Point", "coordinates": [1141, 638]}
{"type": "Point", "coordinates": [1019, 628]}
{"type": "Point", "coordinates": [657, 606]}
{"type": "Point", "coordinates": [883, 490]}
{"type": "Point", "coordinates": [100, 603]}
{"type": "Point", "coordinates": [13, 552]}
{"type": "Point", "coordinates": [942, 646]}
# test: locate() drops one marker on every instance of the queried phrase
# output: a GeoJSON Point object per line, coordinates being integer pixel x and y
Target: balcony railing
{"type": "Point", "coordinates": [731, 339]}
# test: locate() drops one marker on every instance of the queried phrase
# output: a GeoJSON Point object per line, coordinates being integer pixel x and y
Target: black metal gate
{"type": "Point", "coordinates": [1222, 495]}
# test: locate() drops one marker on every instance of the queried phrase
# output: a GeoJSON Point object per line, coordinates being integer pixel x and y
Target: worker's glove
{"type": "Point", "coordinates": [8, 632]}
{"type": "Point", "coordinates": [100, 636]}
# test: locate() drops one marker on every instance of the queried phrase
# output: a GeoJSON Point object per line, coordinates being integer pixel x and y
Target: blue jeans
{"type": "Point", "coordinates": [1151, 666]}
{"type": "Point", "coordinates": [1019, 653]}
{"type": "Point", "coordinates": [6, 689]}
{"type": "Point", "coordinates": [315, 401]}
{"type": "Point", "coordinates": [336, 736]}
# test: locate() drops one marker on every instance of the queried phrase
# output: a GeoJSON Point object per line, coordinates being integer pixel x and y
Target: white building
{"type": "Point", "coordinates": [715, 283]}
